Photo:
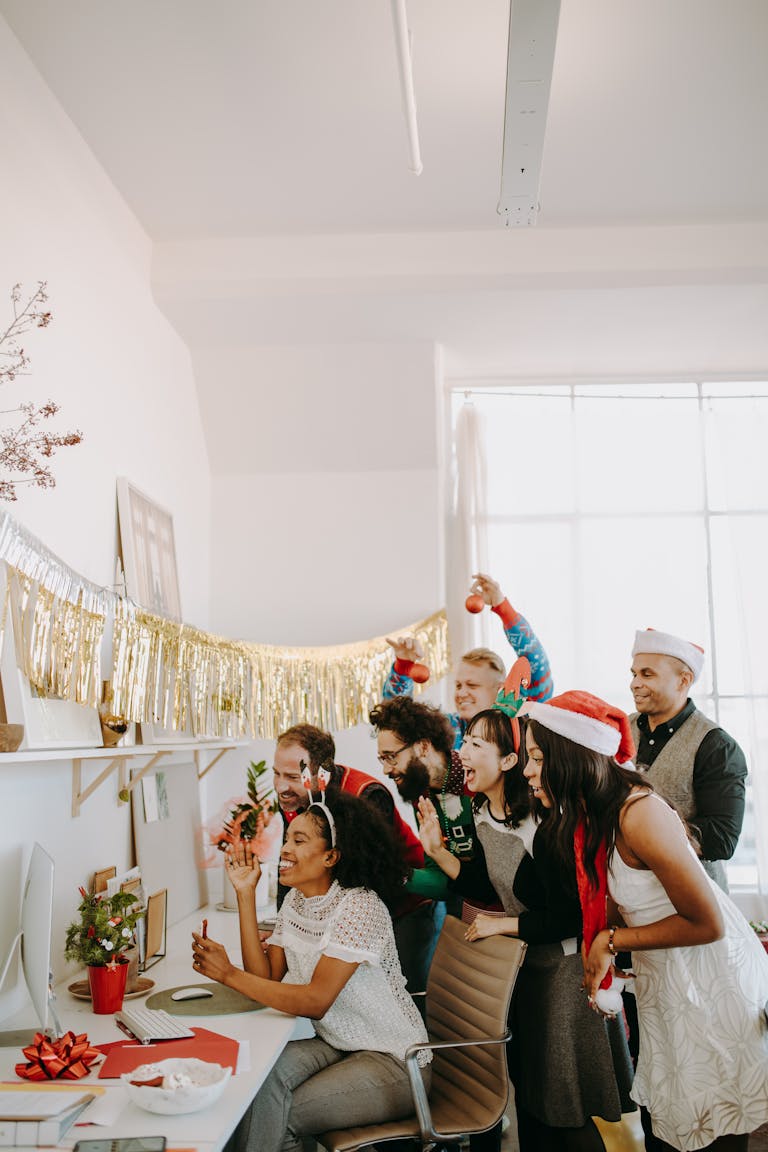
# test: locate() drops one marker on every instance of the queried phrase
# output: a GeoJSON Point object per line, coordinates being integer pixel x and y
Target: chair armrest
{"type": "Point", "coordinates": [419, 1092]}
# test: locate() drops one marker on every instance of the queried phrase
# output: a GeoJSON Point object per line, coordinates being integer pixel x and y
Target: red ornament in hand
{"type": "Point", "coordinates": [420, 673]}
{"type": "Point", "coordinates": [474, 603]}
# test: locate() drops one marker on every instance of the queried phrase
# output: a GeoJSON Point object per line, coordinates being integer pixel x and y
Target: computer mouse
{"type": "Point", "coordinates": [191, 993]}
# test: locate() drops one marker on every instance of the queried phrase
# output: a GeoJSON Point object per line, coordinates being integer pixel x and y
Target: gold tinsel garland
{"type": "Point", "coordinates": [176, 675]}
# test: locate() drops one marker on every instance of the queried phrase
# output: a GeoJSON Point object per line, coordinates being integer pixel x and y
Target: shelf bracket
{"type": "Point", "coordinates": [80, 794]}
{"type": "Point", "coordinates": [210, 763]}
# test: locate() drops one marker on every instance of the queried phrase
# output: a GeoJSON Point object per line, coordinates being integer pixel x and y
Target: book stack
{"type": "Point", "coordinates": [38, 1116]}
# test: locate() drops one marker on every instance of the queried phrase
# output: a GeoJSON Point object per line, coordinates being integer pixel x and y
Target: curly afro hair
{"type": "Point", "coordinates": [412, 721]}
{"type": "Point", "coordinates": [369, 854]}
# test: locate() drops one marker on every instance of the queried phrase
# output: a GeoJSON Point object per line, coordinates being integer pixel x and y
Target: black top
{"type": "Point", "coordinates": [549, 893]}
{"type": "Point", "coordinates": [541, 883]}
{"type": "Point", "coordinates": [719, 772]}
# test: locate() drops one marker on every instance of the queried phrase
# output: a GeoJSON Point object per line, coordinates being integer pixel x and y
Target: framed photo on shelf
{"type": "Point", "coordinates": [148, 552]}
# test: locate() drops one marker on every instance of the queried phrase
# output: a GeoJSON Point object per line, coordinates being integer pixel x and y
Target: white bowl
{"type": "Point", "coordinates": [208, 1082]}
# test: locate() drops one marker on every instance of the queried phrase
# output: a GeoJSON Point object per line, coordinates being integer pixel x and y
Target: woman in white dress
{"type": "Point", "coordinates": [701, 973]}
{"type": "Point", "coordinates": [332, 958]}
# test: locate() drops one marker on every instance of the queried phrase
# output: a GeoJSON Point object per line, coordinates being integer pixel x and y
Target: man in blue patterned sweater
{"type": "Point", "coordinates": [480, 673]}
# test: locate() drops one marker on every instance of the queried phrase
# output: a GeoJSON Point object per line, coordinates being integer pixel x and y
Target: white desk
{"type": "Point", "coordinates": [268, 1032]}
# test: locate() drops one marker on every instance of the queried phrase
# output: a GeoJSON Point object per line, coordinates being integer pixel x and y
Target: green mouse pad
{"type": "Point", "coordinates": [223, 1002]}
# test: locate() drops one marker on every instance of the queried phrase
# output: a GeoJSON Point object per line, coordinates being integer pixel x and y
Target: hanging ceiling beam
{"type": "Point", "coordinates": [530, 60]}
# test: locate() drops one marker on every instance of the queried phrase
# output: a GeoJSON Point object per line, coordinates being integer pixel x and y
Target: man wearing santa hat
{"type": "Point", "coordinates": [689, 759]}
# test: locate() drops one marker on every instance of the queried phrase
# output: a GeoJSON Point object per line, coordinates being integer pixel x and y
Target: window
{"type": "Point", "coordinates": [615, 507]}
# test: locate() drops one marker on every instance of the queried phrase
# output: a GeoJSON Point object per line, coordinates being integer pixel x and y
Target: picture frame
{"type": "Point", "coordinates": [156, 929]}
{"type": "Point", "coordinates": [148, 551]}
{"type": "Point", "coordinates": [148, 555]}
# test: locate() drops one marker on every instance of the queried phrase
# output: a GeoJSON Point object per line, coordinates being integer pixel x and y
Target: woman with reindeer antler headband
{"type": "Point", "coordinates": [567, 1064]}
{"type": "Point", "coordinates": [331, 958]}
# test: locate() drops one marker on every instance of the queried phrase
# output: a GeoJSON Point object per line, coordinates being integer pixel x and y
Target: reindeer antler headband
{"type": "Point", "coordinates": [323, 779]}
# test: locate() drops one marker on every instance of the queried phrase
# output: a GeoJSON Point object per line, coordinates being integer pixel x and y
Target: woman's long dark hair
{"type": "Point", "coordinates": [582, 785]}
{"type": "Point", "coordinates": [495, 727]}
{"type": "Point", "coordinates": [369, 853]}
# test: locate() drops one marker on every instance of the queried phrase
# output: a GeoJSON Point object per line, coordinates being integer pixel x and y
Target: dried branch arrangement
{"type": "Point", "coordinates": [25, 446]}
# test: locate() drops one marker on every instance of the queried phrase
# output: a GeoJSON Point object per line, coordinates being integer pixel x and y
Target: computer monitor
{"type": "Point", "coordinates": [35, 937]}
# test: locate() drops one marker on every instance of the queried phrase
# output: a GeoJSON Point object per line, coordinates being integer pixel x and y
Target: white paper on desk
{"type": "Point", "coordinates": [104, 1109]}
{"type": "Point", "coordinates": [243, 1057]}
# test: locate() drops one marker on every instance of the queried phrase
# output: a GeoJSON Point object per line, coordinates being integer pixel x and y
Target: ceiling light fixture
{"type": "Point", "coordinates": [530, 60]}
{"type": "Point", "coordinates": [405, 67]}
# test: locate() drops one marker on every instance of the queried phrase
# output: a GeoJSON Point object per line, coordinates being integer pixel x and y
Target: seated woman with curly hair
{"type": "Point", "coordinates": [332, 958]}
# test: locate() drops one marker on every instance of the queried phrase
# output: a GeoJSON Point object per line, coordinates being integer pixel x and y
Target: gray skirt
{"type": "Point", "coordinates": [567, 1063]}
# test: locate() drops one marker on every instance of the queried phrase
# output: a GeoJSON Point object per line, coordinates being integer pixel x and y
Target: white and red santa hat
{"type": "Point", "coordinates": [664, 643]}
{"type": "Point", "coordinates": [587, 720]}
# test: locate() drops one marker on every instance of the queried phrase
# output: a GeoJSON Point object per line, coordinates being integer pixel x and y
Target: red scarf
{"type": "Point", "coordinates": [593, 911]}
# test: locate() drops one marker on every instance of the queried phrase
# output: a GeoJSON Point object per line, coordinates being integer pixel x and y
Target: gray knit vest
{"type": "Point", "coordinates": [672, 774]}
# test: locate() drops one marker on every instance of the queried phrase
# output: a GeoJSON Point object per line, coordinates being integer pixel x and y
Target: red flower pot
{"type": "Point", "coordinates": [108, 987]}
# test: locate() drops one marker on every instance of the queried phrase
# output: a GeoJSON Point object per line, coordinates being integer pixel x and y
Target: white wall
{"type": "Point", "coordinates": [122, 375]}
{"type": "Point", "coordinates": [326, 504]}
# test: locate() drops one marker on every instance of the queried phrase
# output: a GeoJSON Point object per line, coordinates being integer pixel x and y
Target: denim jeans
{"type": "Point", "coordinates": [313, 1088]}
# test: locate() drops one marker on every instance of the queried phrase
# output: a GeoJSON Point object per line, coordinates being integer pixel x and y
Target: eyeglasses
{"type": "Point", "coordinates": [390, 757]}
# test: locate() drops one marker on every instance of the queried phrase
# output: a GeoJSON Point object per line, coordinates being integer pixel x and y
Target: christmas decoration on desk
{"type": "Point", "coordinates": [99, 940]}
{"type": "Point", "coordinates": [249, 817]}
{"type": "Point", "coordinates": [24, 448]}
{"type": "Point", "coordinates": [67, 1058]}
{"type": "Point", "coordinates": [105, 928]}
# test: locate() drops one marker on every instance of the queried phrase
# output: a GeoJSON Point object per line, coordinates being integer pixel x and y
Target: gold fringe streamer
{"type": "Point", "coordinates": [178, 676]}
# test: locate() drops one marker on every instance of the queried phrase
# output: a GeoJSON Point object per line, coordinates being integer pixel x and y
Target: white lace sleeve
{"type": "Point", "coordinates": [360, 927]}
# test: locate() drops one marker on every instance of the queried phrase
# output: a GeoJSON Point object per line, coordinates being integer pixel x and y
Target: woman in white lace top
{"type": "Point", "coordinates": [332, 958]}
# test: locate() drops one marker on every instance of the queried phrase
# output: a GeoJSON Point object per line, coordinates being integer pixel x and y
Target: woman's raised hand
{"type": "Point", "coordinates": [430, 832]}
{"type": "Point", "coordinates": [242, 866]}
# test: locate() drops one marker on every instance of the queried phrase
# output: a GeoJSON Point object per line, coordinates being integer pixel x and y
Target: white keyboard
{"type": "Point", "coordinates": [148, 1024]}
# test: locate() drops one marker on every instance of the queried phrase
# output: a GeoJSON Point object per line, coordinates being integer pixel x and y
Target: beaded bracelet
{"type": "Point", "coordinates": [611, 934]}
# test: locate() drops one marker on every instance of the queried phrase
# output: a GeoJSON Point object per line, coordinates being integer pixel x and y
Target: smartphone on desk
{"type": "Point", "coordinates": [123, 1144]}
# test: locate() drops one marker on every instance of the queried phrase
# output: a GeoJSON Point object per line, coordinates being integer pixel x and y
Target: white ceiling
{"type": "Point", "coordinates": [235, 129]}
{"type": "Point", "coordinates": [253, 117]}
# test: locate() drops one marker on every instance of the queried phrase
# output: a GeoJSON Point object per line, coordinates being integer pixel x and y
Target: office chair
{"type": "Point", "coordinates": [468, 994]}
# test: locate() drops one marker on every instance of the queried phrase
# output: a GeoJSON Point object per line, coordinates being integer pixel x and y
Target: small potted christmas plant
{"type": "Point", "coordinates": [99, 940]}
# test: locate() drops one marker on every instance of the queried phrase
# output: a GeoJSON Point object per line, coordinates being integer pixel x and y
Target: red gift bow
{"type": "Point", "coordinates": [66, 1058]}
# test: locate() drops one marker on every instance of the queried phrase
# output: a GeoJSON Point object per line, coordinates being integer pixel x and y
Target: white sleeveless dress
{"type": "Point", "coordinates": [702, 1069]}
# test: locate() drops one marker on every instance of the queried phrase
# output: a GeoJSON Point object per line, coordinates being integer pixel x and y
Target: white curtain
{"type": "Point", "coordinates": [736, 445]}
{"type": "Point", "coordinates": [467, 530]}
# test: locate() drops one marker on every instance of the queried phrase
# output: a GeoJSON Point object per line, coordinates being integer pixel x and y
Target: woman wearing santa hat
{"type": "Point", "coordinates": [567, 1065]}
{"type": "Point", "coordinates": [701, 974]}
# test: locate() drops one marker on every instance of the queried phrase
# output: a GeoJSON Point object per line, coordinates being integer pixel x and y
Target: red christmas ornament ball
{"type": "Point", "coordinates": [474, 603]}
{"type": "Point", "coordinates": [420, 673]}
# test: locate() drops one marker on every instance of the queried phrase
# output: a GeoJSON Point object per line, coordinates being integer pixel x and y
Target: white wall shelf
{"type": "Point", "coordinates": [204, 753]}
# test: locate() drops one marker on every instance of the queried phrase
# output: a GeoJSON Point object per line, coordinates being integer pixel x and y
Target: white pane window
{"type": "Point", "coordinates": [616, 507]}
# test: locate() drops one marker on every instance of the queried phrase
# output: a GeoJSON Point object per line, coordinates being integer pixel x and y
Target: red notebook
{"type": "Point", "coordinates": [125, 1055]}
